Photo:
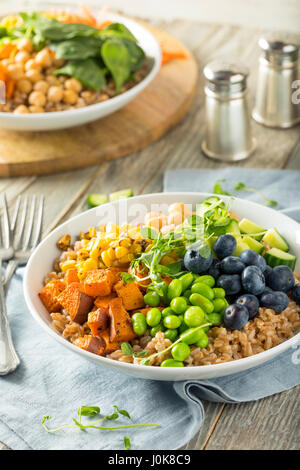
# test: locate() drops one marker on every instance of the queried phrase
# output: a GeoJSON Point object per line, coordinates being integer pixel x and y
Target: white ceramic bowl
{"type": "Point", "coordinates": [76, 117]}
{"type": "Point", "coordinates": [41, 263]}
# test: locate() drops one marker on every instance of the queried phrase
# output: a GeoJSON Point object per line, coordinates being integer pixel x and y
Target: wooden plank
{"type": "Point", "coordinates": [271, 423]}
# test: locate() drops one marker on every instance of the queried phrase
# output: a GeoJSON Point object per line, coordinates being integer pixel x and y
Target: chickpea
{"type": "Point", "coordinates": [15, 71]}
{"type": "Point", "coordinates": [25, 45]}
{"type": "Point", "coordinates": [70, 97]}
{"type": "Point", "coordinates": [55, 94]}
{"type": "Point", "coordinates": [6, 62]}
{"type": "Point", "coordinates": [42, 86]}
{"type": "Point", "coordinates": [36, 109]}
{"type": "Point", "coordinates": [52, 80]}
{"type": "Point", "coordinates": [22, 109]}
{"type": "Point", "coordinates": [37, 98]}
{"type": "Point", "coordinates": [176, 218]}
{"type": "Point", "coordinates": [33, 75]}
{"type": "Point", "coordinates": [24, 85]}
{"type": "Point", "coordinates": [31, 64]}
{"type": "Point", "coordinates": [22, 57]}
{"type": "Point", "coordinates": [73, 84]}
{"type": "Point", "coordinates": [43, 58]}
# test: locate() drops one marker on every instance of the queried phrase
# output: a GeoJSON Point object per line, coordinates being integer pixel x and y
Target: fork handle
{"type": "Point", "coordinates": [9, 272]}
{"type": "Point", "coordinates": [9, 360]}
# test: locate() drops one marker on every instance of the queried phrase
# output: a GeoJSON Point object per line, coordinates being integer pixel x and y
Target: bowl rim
{"type": "Point", "coordinates": [132, 92]}
{"type": "Point", "coordinates": [225, 368]}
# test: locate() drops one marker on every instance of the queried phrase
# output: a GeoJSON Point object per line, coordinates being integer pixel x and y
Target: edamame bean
{"type": "Point", "coordinates": [180, 351]}
{"type": "Point", "coordinates": [206, 279]}
{"type": "Point", "coordinates": [215, 318]}
{"type": "Point", "coordinates": [171, 363]}
{"type": "Point", "coordinates": [171, 335]}
{"type": "Point", "coordinates": [174, 289]}
{"type": "Point", "coordinates": [219, 305]}
{"type": "Point", "coordinates": [203, 342]}
{"type": "Point", "coordinates": [219, 292]}
{"type": "Point", "coordinates": [186, 280]}
{"type": "Point", "coordinates": [183, 327]}
{"type": "Point", "coordinates": [172, 322]}
{"type": "Point", "coordinates": [153, 316]}
{"type": "Point", "coordinates": [192, 335]}
{"type": "Point", "coordinates": [179, 304]}
{"type": "Point", "coordinates": [187, 293]}
{"type": "Point", "coordinates": [201, 301]}
{"type": "Point", "coordinates": [203, 289]}
{"type": "Point", "coordinates": [167, 311]}
{"type": "Point", "coordinates": [156, 329]}
{"type": "Point", "coordinates": [194, 316]}
{"type": "Point", "coordinates": [152, 299]}
{"type": "Point", "coordinates": [139, 324]}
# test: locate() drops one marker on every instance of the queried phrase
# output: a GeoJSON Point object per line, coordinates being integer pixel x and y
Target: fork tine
{"type": "Point", "coordinates": [38, 230]}
{"type": "Point", "coordinates": [29, 225]}
{"type": "Point", "coordinates": [6, 224]}
{"type": "Point", "coordinates": [16, 211]}
{"type": "Point", "coordinates": [18, 237]}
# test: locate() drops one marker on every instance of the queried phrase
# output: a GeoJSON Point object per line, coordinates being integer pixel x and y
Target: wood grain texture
{"type": "Point", "coordinates": [145, 119]}
{"type": "Point", "coordinates": [266, 424]}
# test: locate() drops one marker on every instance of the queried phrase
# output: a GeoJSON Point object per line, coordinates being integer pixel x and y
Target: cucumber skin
{"type": "Point", "coordinates": [275, 261]}
{"type": "Point", "coordinates": [254, 244]}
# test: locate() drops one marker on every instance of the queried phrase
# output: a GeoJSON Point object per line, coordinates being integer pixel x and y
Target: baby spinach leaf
{"type": "Point", "coordinates": [77, 48]}
{"type": "Point", "coordinates": [117, 59]}
{"type": "Point", "coordinates": [56, 31]}
{"type": "Point", "coordinates": [137, 55]}
{"type": "Point", "coordinates": [117, 30]}
{"type": "Point", "coordinates": [87, 71]}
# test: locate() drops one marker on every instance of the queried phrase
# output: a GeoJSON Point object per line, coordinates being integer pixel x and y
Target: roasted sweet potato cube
{"type": "Point", "coordinates": [103, 302]}
{"type": "Point", "coordinates": [71, 276]}
{"type": "Point", "coordinates": [116, 273]}
{"type": "Point", "coordinates": [76, 303]}
{"type": "Point", "coordinates": [130, 294]}
{"type": "Point", "coordinates": [93, 344]}
{"type": "Point", "coordinates": [110, 346]}
{"type": "Point", "coordinates": [49, 294]}
{"type": "Point", "coordinates": [98, 321]}
{"type": "Point", "coordinates": [98, 282]}
{"type": "Point", "coordinates": [120, 322]}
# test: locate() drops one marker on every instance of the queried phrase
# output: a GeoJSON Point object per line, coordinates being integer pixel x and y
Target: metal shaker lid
{"type": "Point", "coordinates": [226, 77]}
{"type": "Point", "coordinates": [279, 51]}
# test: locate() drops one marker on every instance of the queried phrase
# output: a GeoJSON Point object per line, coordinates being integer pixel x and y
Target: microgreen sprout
{"type": "Point", "coordinates": [240, 186]}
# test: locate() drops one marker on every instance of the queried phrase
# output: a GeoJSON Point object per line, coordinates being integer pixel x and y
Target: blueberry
{"type": "Point", "coordinates": [224, 246]}
{"type": "Point", "coordinates": [231, 283]}
{"type": "Point", "coordinates": [251, 258]}
{"type": "Point", "coordinates": [214, 269]}
{"type": "Point", "coordinates": [250, 302]}
{"type": "Point", "coordinates": [267, 290]}
{"type": "Point", "coordinates": [296, 294]}
{"type": "Point", "coordinates": [196, 263]}
{"type": "Point", "coordinates": [281, 278]}
{"type": "Point", "coordinates": [267, 272]}
{"type": "Point", "coordinates": [253, 280]}
{"type": "Point", "coordinates": [277, 301]}
{"type": "Point", "coordinates": [232, 265]}
{"type": "Point", "coordinates": [236, 316]}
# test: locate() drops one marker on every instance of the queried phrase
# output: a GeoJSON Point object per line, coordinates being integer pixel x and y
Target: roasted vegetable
{"type": "Point", "coordinates": [98, 321]}
{"type": "Point", "coordinates": [93, 344]}
{"type": "Point", "coordinates": [50, 293]}
{"type": "Point", "coordinates": [98, 282]}
{"type": "Point", "coordinates": [76, 302]}
{"type": "Point", "coordinates": [130, 294]}
{"type": "Point", "coordinates": [120, 322]}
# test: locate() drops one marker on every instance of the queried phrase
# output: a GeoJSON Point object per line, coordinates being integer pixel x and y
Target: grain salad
{"type": "Point", "coordinates": [184, 288]}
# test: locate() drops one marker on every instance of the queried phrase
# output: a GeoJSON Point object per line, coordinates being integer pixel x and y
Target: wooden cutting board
{"type": "Point", "coordinates": [147, 118]}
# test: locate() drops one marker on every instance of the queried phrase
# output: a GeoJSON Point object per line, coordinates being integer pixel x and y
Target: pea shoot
{"type": "Point", "coordinates": [240, 186]}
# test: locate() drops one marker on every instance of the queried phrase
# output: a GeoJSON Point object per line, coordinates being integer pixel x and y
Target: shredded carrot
{"type": "Point", "coordinates": [104, 24]}
{"type": "Point", "coordinates": [10, 88]}
{"type": "Point", "coordinates": [9, 83]}
{"type": "Point", "coordinates": [6, 50]}
{"type": "Point", "coordinates": [168, 56]}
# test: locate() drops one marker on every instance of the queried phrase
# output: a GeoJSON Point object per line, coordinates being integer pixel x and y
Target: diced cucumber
{"type": "Point", "coordinates": [233, 227]}
{"type": "Point", "coordinates": [275, 240]}
{"type": "Point", "coordinates": [254, 244]}
{"type": "Point", "coordinates": [276, 257]}
{"type": "Point", "coordinates": [211, 241]}
{"type": "Point", "coordinates": [94, 200]}
{"type": "Point", "coordinates": [240, 246]}
{"type": "Point", "coordinates": [249, 227]}
{"type": "Point", "coordinates": [123, 194]}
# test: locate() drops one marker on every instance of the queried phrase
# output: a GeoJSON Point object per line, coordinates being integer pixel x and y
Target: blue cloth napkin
{"type": "Point", "coordinates": [51, 380]}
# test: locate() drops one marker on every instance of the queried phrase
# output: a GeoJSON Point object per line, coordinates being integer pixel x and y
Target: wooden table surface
{"type": "Point", "coordinates": [271, 423]}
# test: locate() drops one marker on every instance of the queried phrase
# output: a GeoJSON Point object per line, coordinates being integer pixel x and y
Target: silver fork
{"type": "Point", "coordinates": [26, 238]}
{"type": "Point", "coordinates": [9, 360]}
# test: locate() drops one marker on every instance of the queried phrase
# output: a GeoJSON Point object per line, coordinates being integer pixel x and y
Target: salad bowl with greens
{"type": "Point", "coordinates": [61, 73]}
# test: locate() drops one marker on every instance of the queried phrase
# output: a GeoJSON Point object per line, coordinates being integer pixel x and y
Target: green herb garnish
{"type": "Point", "coordinates": [127, 443]}
{"type": "Point", "coordinates": [240, 186]}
